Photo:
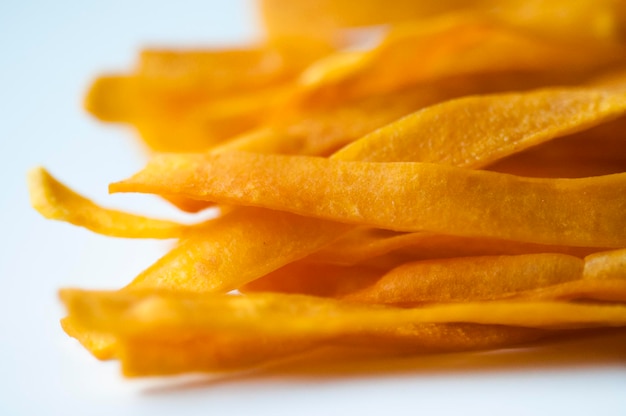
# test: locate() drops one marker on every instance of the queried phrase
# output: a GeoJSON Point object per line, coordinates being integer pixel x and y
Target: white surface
{"type": "Point", "coordinates": [49, 51]}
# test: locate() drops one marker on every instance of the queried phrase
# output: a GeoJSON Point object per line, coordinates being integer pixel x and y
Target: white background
{"type": "Point", "coordinates": [49, 52]}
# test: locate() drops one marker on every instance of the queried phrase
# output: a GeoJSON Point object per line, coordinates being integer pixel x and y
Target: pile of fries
{"type": "Point", "coordinates": [408, 176]}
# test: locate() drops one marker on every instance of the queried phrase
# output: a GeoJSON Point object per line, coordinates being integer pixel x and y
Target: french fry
{"type": "Point", "coordinates": [450, 46]}
{"type": "Point", "coordinates": [55, 201]}
{"type": "Point", "coordinates": [162, 316]}
{"type": "Point", "coordinates": [470, 279]}
{"type": "Point", "coordinates": [362, 244]}
{"type": "Point", "coordinates": [147, 357]}
{"type": "Point", "coordinates": [426, 196]}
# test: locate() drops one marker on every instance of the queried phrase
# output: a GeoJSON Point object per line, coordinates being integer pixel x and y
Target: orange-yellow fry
{"type": "Point", "coordinates": [173, 79]}
{"type": "Point", "coordinates": [477, 131]}
{"type": "Point", "coordinates": [227, 352]}
{"type": "Point", "coordinates": [609, 290]}
{"type": "Point", "coordinates": [215, 352]}
{"type": "Point", "coordinates": [101, 345]}
{"type": "Point", "coordinates": [449, 46]}
{"type": "Point", "coordinates": [594, 152]}
{"type": "Point", "coordinates": [205, 264]}
{"type": "Point", "coordinates": [316, 279]}
{"type": "Point", "coordinates": [55, 201]}
{"type": "Point", "coordinates": [166, 315]}
{"type": "Point", "coordinates": [216, 72]}
{"type": "Point", "coordinates": [178, 120]}
{"type": "Point", "coordinates": [583, 20]}
{"type": "Point", "coordinates": [469, 279]}
{"type": "Point", "coordinates": [362, 244]}
{"type": "Point", "coordinates": [425, 196]}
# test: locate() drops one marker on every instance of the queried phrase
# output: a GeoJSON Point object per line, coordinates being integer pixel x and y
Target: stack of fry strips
{"type": "Point", "coordinates": [408, 176]}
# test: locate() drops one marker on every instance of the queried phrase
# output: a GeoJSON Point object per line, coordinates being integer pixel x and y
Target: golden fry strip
{"type": "Point", "coordinates": [205, 125]}
{"type": "Point", "coordinates": [364, 243]}
{"type": "Point", "coordinates": [315, 279]}
{"type": "Point", "coordinates": [216, 352]}
{"type": "Point", "coordinates": [597, 151]}
{"type": "Point", "coordinates": [190, 100]}
{"type": "Point", "coordinates": [480, 130]}
{"type": "Point", "coordinates": [55, 201]}
{"type": "Point", "coordinates": [100, 344]}
{"type": "Point", "coordinates": [610, 290]}
{"type": "Point", "coordinates": [232, 250]}
{"type": "Point", "coordinates": [227, 352]}
{"type": "Point", "coordinates": [162, 316]}
{"type": "Point", "coordinates": [226, 71]}
{"type": "Point", "coordinates": [583, 20]}
{"type": "Point", "coordinates": [426, 196]}
{"type": "Point", "coordinates": [449, 46]}
{"type": "Point", "coordinates": [534, 276]}
{"type": "Point", "coordinates": [178, 120]}
{"type": "Point", "coordinates": [470, 279]}
{"type": "Point", "coordinates": [171, 78]}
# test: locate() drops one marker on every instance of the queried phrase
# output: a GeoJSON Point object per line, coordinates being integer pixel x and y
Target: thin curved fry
{"type": "Point", "coordinates": [362, 244]}
{"type": "Point", "coordinates": [454, 45]}
{"type": "Point", "coordinates": [213, 353]}
{"type": "Point", "coordinates": [470, 279]}
{"type": "Point", "coordinates": [147, 357]}
{"type": "Point", "coordinates": [480, 130]}
{"type": "Point", "coordinates": [55, 201]}
{"type": "Point", "coordinates": [219, 72]}
{"type": "Point", "coordinates": [225, 253]}
{"type": "Point", "coordinates": [315, 279]}
{"type": "Point", "coordinates": [425, 196]}
{"type": "Point", "coordinates": [162, 316]}
{"type": "Point", "coordinates": [609, 290]}
{"type": "Point", "coordinates": [102, 345]}
{"type": "Point", "coordinates": [327, 19]}
{"type": "Point", "coordinates": [594, 152]}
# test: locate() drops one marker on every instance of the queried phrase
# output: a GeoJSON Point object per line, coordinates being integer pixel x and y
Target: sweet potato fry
{"type": "Point", "coordinates": [55, 201]}
{"type": "Point", "coordinates": [362, 244]}
{"type": "Point", "coordinates": [450, 46]}
{"type": "Point", "coordinates": [101, 345]}
{"type": "Point", "coordinates": [585, 21]}
{"type": "Point", "coordinates": [214, 353]}
{"type": "Point", "coordinates": [425, 196]}
{"type": "Point", "coordinates": [610, 290]}
{"type": "Point", "coordinates": [468, 279]}
{"type": "Point", "coordinates": [218, 353]}
{"type": "Point", "coordinates": [315, 279]}
{"type": "Point", "coordinates": [219, 72]}
{"type": "Point", "coordinates": [161, 316]}
{"type": "Point", "coordinates": [226, 252]}
{"type": "Point", "coordinates": [492, 127]}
